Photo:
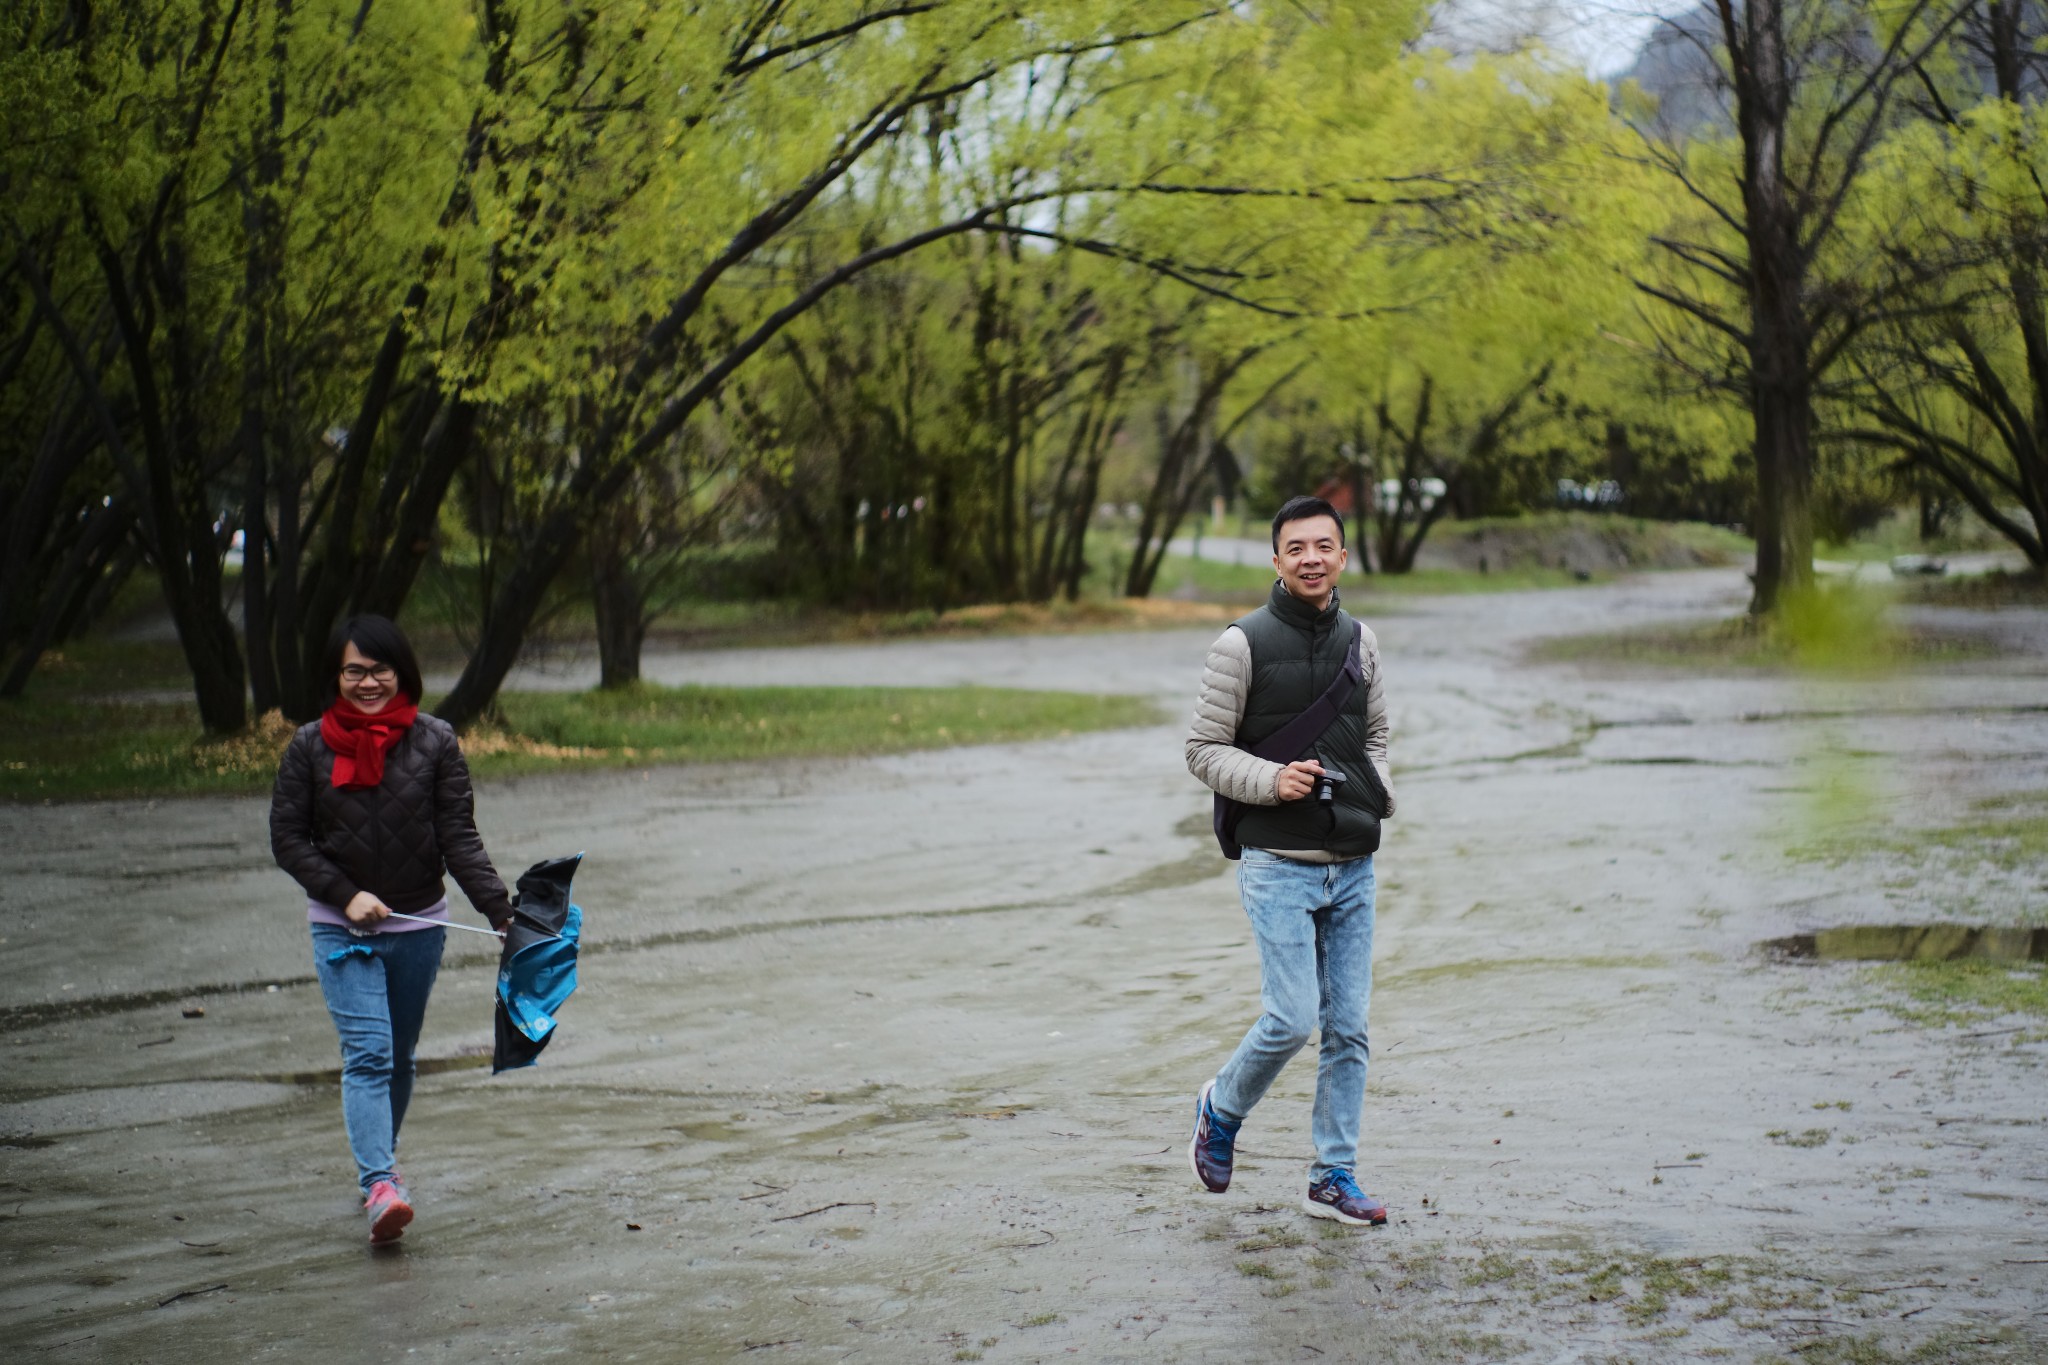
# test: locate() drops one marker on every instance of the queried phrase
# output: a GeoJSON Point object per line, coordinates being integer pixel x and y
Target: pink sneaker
{"type": "Point", "coordinates": [389, 1213]}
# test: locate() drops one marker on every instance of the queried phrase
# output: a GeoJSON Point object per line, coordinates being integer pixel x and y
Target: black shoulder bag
{"type": "Point", "coordinates": [1291, 740]}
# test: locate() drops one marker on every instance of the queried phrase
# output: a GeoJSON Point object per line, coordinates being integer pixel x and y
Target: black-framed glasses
{"type": "Point", "coordinates": [355, 673]}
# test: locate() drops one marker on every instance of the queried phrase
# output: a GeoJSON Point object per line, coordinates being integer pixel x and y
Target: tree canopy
{"type": "Point", "coordinates": [303, 298]}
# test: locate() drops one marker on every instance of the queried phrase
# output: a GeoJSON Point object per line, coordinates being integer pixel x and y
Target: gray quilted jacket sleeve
{"type": "Point", "coordinates": [1212, 752]}
{"type": "Point", "coordinates": [1213, 755]}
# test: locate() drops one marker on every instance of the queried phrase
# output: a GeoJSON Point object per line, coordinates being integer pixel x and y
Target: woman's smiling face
{"type": "Point", "coordinates": [369, 685]}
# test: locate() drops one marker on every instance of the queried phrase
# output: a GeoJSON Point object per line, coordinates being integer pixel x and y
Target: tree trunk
{"type": "Point", "coordinates": [256, 619]}
{"type": "Point", "coordinates": [1184, 465]}
{"type": "Point", "coordinates": [1935, 511]}
{"type": "Point", "coordinates": [67, 593]}
{"type": "Point", "coordinates": [412, 534]}
{"type": "Point", "coordinates": [176, 520]}
{"type": "Point", "coordinates": [514, 603]}
{"type": "Point", "coordinates": [1780, 339]}
{"type": "Point", "coordinates": [621, 622]}
{"type": "Point", "coordinates": [213, 650]}
{"type": "Point", "coordinates": [1361, 503]}
{"type": "Point", "coordinates": [256, 632]}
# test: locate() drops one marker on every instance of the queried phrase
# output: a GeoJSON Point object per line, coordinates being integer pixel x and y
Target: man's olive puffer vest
{"type": "Point", "coordinates": [1296, 652]}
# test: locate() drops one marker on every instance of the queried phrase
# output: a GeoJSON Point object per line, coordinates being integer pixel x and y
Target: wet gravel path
{"type": "Point", "coordinates": [891, 1059]}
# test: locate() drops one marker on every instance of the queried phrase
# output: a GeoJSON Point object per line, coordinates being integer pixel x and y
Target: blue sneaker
{"type": "Point", "coordinates": [1214, 1145]}
{"type": "Point", "coordinates": [1337, 1196]}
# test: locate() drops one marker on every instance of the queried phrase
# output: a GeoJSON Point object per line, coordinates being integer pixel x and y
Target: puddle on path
{"type": "Point", "coordinates": [1914, 943]}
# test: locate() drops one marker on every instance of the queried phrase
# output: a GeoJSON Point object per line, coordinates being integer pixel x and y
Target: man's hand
{"type": "Point", "coordinates": [364, 908]}
{"type": "Point", "coordinates": [1297, 780]}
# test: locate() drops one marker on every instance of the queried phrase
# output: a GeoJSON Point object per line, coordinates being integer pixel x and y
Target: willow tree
{"type": "Point", "coordinates": [1498, 279]}
{"type": "Point", "coordinates": [1811, 89]}
{"type": "Point", "coordinates": [302, 230]}
{"type": "Point", "coordinates": [750, 162]}
{"type": "Point", "coordinates": [1957, 387]}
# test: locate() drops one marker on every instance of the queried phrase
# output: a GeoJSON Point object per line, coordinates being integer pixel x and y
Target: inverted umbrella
{"type": "Point", "coordinates": [537, 970]}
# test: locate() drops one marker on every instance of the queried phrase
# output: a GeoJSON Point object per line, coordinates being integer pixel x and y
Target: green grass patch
{"type": "Point", "coordinates": [712, 625]}
{"type": "Point", "coordinates": [1248, 584]}
{"type": "Point", "coordinates": [74, 750]}
{"type": "Point", "coordinates": [1842, 643]}
{"type": "Point", "coordinates": [650, 724]}
{"type": "Point", "coordinates": [2007, 844]}
{"type": "Point", "coordinates": [1585, 540]}
{"type": "Point", "coordinates": [71, 750]}
{"type": "Point", "coordinates": [1967, 994]}
{"type": "Point", "coordinates": [1266, 1238]}
{"type": "Point", "coordinates": [1647, 1285]}
{"type": "Point", "coordinates": [1999, 588]}
{"type": "Point", "coordinates": [1537, 550]}
{"type": "Point", "coordinates": [97, 665]}
{"type": "Point", "coordinates": [1990, 867]}
{"type": "Point", "coordinates": [1945, 1348]}
{"type": "Point", "coordinates": [1899, 534]}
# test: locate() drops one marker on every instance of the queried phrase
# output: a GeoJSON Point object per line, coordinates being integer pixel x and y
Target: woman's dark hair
{"type": "Point", "coordinates": [378, 638]}
{"type": "Point", "coordinates": [1294, 509]}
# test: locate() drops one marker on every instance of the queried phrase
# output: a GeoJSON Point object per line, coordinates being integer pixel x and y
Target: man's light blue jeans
{"type": "Point", "coordinates": [376, 988]}
{"type": "Point", "coordinates": [1313, 922]}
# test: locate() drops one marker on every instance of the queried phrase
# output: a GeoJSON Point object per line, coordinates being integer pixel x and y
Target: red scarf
{"type": "Point", "coordinates": [361, 740]}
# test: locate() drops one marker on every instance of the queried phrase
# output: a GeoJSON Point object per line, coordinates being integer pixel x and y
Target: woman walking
{"type": "Point", "coordinates": [372, 804]}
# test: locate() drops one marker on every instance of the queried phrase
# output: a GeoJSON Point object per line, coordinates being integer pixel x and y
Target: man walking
{"type": "Point", "coordinates": [1290, 731]}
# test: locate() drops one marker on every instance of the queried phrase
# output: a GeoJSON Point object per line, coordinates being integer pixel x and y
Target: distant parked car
{"type": "Point", "coordinates": [1918, 566]}
{"type": "Point", "coordinates": [1424, 491]}
{"type": "Point", "coordinates": [1603, 496]}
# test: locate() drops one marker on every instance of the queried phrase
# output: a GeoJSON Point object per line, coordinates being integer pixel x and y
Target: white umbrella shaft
{"type": "Point", "coordinates": [447, 924]}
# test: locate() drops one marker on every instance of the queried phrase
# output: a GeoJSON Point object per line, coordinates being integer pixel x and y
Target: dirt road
{"type": "Point", "coordinates": [893, 1059]}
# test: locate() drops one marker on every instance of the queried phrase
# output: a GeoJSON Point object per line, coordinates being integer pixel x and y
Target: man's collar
{"type": "Point", "coordinates": [1294, 611]}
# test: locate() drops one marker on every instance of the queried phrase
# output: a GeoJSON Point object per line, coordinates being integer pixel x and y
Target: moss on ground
{"type": "Point", "coordinates": [1991, 865]}
{"type": "Point", "coordinates": [2008, 832]}
{"type": "Point", "coordinates": [1967, 994]}
{"type": "Point", "coordinates": [2022, 588]}
{"type": "Point", "coordinates": [1743, 645]}
{"type": "Point", "coordinates": [1947, 1348]}
{"type": "Point", "coordinates": [1247, 584]}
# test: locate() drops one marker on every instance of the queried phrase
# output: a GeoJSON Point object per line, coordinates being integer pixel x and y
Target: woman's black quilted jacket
{"type": "Point", "coordinates": [393, 840]}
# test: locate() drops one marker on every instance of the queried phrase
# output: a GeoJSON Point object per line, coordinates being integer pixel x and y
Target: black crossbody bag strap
{"type": "Point", "coordinates": [1291, 740]}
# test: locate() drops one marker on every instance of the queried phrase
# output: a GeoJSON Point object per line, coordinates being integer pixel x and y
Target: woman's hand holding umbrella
{"type": "Point", "coordinates": [364, 908]}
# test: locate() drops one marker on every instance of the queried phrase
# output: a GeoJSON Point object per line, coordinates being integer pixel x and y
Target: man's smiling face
{"type": "Point", "coordinates": [1309, 558]}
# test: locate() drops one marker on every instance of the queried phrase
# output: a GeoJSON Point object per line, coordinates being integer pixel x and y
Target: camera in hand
{"type": "Point", "coordinates": [1327, 784]}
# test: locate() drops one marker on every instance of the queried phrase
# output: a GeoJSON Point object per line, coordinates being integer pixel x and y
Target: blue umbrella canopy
{"type": "Point", "coordinates": [537, 970]}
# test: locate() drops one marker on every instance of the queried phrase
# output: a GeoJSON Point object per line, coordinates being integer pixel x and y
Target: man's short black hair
{"type": "Point", "coordinates": [378, 639]}
{"type": "Point", "coordinates": [1294, 509]}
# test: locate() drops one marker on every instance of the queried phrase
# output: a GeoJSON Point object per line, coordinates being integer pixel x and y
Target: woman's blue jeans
{"type": "Point", "coordinates": [376, 988]}
{"type": "Point", "coordinates": [1313, 922]}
